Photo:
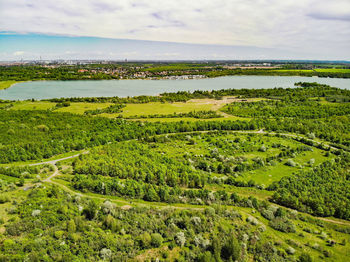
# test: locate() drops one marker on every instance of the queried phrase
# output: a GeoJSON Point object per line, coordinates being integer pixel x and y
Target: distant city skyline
{"type": "Point", "coordinates": [175, 30]}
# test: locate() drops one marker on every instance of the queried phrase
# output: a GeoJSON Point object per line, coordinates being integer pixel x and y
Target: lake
{"type": "Point", "coordinates": [123, 88]}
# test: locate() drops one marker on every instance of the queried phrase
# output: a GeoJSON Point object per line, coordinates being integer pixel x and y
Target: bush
{"type": "Point", "coordinates": [145, 240]}
{"type": "Point", "coordinates": [91, 210]}
{"type": "Point", "coordinates": [4, 199]}
{"type": "Point", "coordinates": [36, 212]}
{"type": "Point", "coordinates": [291, 163]}
{"type": "Point", "coordinates": [231, 250]}
{"type": "Point", "coordinates": [180, 239]}
{"type": "Point", "coordinates": [305, 257]}
{"type": "Point", "coordinates": [156, 240]}
{"type": "Point", "coordinates": [283, 225]}
{"type": "Point", "coordinates": [43, 128]}
{"type": "Point", "coordinates": [290, 250]}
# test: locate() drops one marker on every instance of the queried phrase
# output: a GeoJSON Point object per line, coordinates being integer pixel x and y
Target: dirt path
{"type": "Point", "coordinates": [53, 162]}
{"type": "Point", "coordinates": [128, 204]}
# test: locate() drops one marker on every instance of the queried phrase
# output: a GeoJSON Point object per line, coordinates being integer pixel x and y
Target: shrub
{"type": "Point", "coordinates": [180, 239]}
{"type": "Point", "coordinates": [106, 254]}
{"type": "Point", "coordinates": [305, 257]}
{"type": "Point", "coordinates": [4, 199]}
{"type": "Point", "coordinates": [43, 128]}
{"type": "Point", "coordinates": [291, 163]}
{"type": "Point", "coordinates": [36, 212]}
{"type": "Point", "coordinates": [156, 240]}
{"type": "Point", "coordinates": [71, 227]}
{"type": "Point", "coordinates": [290, 250]}
{"type": "Point", "coordinates": [91, 210]}
{"type": "Point", "coordinates": [262, 148]}
{"type": "Point", "coordinates": [283, 225]}
{"type": "Point", "coordinates": [145, 240]}
{"type": "Point", "coordinates": [231, 250]}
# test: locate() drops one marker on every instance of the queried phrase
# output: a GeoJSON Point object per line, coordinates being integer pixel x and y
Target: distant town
{"type": "Point", "coordinates": [103, 69]}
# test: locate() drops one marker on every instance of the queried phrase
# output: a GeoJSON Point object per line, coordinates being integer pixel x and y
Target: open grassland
{"type": "Point", "coordinates": [332, 70]}
{"type": "Point", "coordinates": [7, 84]}
{"type": "Point", "coordinates": [28, 105]}
{"type": "Point", "coordinates": [143, 110]}
{"type": "Point", "coordinates": [323, 70]}
{"type": "Point", "coordinates": [163, 108]}
{"type": "Point", "coordinates": [81, 107]}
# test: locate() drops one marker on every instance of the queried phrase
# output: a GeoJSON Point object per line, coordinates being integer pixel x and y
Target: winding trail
{"type": "Point", "coordinates": [127, 203]}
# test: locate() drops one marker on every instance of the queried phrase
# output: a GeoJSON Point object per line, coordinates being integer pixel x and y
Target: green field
{"type": "Point", "coordinates": [163, 108]}
{"type": "Point", "coordinates": [80, 108]}
{"type": "Point", "coordinates": [332, 70]}
{"type": "Point", "coordinates": [7, 84]}
{"type": "Point", "coordinates": [321, 70]}
{"type": "Point", "coordinates": [27, 105]}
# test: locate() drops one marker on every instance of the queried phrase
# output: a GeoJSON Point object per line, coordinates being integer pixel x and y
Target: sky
{"type": "Point", "coordinates": [169, 29]}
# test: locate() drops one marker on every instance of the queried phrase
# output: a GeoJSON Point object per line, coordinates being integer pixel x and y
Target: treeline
{"type": "Point", "coordinates": [117, 108]}
{"type": "Point", "coordinates": [280, 109]}
{"type": "Point", "coordinates": [203, 114]}
{"type": "Point", "coordinates": [20, 171]}
{"type": "Point", "coordinates": [323, 191]}
{"type": "Point", "coordinates": [28, 135]}
{"type": "Point", "coordinates": [63, 72]}
{"type": "Point", "coordinates": [125, 71]}
{"type": "Point", "coordinates": [277, 72]}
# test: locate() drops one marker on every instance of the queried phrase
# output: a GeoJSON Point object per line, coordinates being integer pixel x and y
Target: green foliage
{"type": "Point", "coordinates": [91, 210]}
{"type": "Point", "coordinates": [305, 257]}
{"type": "Point", "coordinates": [231, 250]}
{"type": "Point", "coordinates": [282, 224]}
{"type": "Point", "coordinates": [194, 114]}
{"type": "Point", "coordinates": [322, 191]}
{"type": "Point", "coordinates": [156, 240]}
{"type": "Point", "coordinates": [117, 108]}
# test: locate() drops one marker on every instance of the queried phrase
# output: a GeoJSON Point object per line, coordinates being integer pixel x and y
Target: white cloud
{"type": "Point", "coordinates": [18, 53]}
{"type": "Point", "coordinates": [308, 25]}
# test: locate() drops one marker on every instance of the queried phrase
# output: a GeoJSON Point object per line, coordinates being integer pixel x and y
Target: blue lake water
{"type": "Point", "coordinates": [124, 88]}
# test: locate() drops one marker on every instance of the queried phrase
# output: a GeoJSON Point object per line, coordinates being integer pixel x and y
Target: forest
{"type": "Point", "coordinates": [228, 175]}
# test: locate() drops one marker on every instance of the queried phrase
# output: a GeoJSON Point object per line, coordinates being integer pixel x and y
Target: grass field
{"type": "Point", "coordinates": [27, 105]}
{"type": "Point", "coordinates": [81, 107]}
{"type": "Point", "coordinates": [333, 70]}
{"type": "Point", "coordinates": [145, 109]}
{"type": "Point", "coordinates": [7, 84]}
{"type": "Point", "coordinates": [323, 70]}
{"type": "Point", "coordinates": [186, 119]}
{"type": "Point", "coordinates": [163, 108]}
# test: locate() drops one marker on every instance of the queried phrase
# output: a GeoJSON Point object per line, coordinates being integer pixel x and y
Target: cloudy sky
{"type": "Point", "coordinates": [288, 29]}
